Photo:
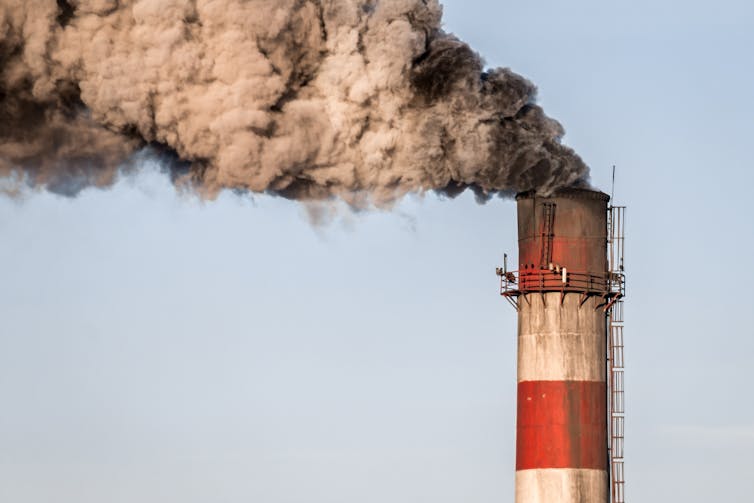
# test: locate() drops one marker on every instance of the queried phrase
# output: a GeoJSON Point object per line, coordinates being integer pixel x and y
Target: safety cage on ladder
{"type": "Point", "coordinates": [616, 369]}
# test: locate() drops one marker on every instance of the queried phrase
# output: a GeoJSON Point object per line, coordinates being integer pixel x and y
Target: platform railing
{"type": "Point", "coordinates": [609, 286]}
{"type": "Point", "coordinates": [545, 280]}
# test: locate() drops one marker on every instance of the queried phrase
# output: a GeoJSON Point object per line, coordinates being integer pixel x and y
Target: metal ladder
{"type": "Point", "coordinates": [617, 403]}
{"type": "Point", "coordinates": [616, 369]}
{"type": "Point", "coordinates": [548, 226]}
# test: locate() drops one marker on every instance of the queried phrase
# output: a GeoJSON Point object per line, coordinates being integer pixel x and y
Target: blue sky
{"type": "Point", "coordinates": [156, 348]}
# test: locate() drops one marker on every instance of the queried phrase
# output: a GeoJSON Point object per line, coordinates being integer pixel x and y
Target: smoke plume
{"type": "Point", "coordinates": [308, 99]}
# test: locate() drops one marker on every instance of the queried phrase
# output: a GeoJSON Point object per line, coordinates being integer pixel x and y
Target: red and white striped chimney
{"type": "Point", "coordinates": [561, 433]}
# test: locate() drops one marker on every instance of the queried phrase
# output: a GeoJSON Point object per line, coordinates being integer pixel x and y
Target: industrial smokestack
{"type": "Point", "coordinates": [564, 292]}
{"type": "Point", "coordinates": [308, 99]}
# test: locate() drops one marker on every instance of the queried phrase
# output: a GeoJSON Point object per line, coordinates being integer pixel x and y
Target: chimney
{"type": "Point", "coordinates": [564, 292]}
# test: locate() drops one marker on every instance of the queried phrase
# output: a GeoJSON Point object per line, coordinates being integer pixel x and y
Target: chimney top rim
{"type": "Point", "coordinates": [569, 192]}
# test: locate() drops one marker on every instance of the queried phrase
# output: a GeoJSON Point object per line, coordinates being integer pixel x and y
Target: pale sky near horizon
{"type": "Point", "coordinates": [155, 349]}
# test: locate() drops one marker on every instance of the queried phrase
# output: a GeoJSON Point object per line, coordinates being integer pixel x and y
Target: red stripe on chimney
{"type": "Point", "coordinates": [561, 424]}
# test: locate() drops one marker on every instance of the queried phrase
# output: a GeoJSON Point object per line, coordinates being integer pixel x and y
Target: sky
{"type": "Point", "coordinates": [159, 348]}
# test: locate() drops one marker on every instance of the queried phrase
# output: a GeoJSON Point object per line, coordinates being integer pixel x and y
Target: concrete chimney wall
{"type": "Point", "coordinates": [561, 442]}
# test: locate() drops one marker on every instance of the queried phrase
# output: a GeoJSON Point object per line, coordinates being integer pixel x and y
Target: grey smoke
{"type": "Point", "coordinates": [308, 99]}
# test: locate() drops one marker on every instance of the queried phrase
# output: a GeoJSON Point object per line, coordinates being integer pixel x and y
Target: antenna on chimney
{"type": "Point", "coordinates": [612, 190]}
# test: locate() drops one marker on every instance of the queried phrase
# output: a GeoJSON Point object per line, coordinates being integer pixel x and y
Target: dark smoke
{"type": "Point", "coordinates": [307, 99]}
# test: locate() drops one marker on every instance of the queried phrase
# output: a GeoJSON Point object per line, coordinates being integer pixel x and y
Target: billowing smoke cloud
{"type": "Point", "coordinates": [309, 99]}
